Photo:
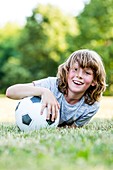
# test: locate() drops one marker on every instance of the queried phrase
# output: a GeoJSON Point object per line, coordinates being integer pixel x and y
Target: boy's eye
{"type": "Point", "coordinates": [74, 69]}
{"type": "Point", "coordinates": [88, 72]}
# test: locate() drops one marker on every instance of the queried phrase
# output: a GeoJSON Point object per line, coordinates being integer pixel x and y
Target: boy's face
{"type": "Point", "coordinates": [80, 79]}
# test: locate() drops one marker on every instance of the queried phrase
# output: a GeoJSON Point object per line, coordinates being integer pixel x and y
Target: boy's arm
{"type": "Point", "coordinates": [20, 91]}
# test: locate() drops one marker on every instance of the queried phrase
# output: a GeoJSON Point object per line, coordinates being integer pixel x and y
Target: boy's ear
{"type": "Point", "coordinates": [94, 83]}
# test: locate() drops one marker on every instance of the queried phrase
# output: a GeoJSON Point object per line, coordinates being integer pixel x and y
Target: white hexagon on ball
{"type": "Point", "coordinates": [28, 117]}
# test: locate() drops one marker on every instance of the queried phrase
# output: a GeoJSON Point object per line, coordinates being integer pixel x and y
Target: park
{"type": "Point", "coordinates": [34, 51]}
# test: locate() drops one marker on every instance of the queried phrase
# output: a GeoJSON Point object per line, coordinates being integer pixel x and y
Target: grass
{"type": "Point", "coordinates": [90, 147]}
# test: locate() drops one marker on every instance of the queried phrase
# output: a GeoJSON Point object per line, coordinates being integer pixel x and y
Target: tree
{"type": "Point", "coordinates": [96, 32]}
{"type": "Point", "coordinates": [9, 35]}
{"type": "Point", "coordinates": [44, 42]}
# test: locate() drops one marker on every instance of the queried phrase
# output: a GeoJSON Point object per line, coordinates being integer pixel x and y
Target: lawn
{"type": "Point", "coordinates": [90, 147]}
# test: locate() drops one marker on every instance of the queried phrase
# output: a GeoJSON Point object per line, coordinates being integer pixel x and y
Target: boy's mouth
{"type": "Point", "coordinates": [78, 82]}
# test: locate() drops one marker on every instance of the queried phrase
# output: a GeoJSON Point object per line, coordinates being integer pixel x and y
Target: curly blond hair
{"type": "Point", "coordinates": [86, 59]}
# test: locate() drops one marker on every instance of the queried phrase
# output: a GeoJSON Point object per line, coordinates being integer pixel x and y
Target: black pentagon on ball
{"type": "Point", "coordinates": [35, 99]}
{"type": "Point", "coordinates": [26, 119]}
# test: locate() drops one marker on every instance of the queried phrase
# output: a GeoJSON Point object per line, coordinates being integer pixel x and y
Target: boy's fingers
{"type": "Point", "coordinates": [57, 112]}
{"type": "Point", "coordinates": [53, 113]}
{"type": "Point", "coordinates": [42, 108]}
{"type": "Point", "coordinates": [48, 111]}
{"type": "Point", "coordinates": [58, 107]}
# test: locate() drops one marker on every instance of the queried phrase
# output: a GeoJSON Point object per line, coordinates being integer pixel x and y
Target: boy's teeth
{"type": "Point", "coordinates": [77, 82]}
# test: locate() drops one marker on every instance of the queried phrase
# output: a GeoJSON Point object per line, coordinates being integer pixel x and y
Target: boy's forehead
{"type": "Point", "coordinates": [77, 64]}
{"type": "Point", "coordinates": [83, 61]}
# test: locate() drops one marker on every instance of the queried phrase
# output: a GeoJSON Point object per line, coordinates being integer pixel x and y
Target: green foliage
{"type": "Point", "coordinates": [37, 48]}
{"type": "Point", "coordinates": [44, 40]}
{"type": "Point", "coordinates": [96, 32]}
{"type": "Point", "coordinates": [14, 72]}
{"type": "Point", "coordinates": [90, 147]}
{"type": "Point", "coordinates": [49, 37]}
{"type": "Point", "coordinates": [9, 36]}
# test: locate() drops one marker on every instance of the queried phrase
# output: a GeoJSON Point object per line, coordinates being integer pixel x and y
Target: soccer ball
{"type": "Point", "coordinates": [28, 117]}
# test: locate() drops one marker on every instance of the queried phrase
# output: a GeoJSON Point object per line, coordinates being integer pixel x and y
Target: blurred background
{"type": "Point", "coordinates": [38, 35]}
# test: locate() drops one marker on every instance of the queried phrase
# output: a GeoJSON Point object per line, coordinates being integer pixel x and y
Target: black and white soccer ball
{"type": "Point", "coordinates": [28, 117]}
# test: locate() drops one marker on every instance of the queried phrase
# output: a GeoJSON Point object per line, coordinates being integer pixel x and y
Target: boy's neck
{"type": "Point", "coordinates": [71, 100]}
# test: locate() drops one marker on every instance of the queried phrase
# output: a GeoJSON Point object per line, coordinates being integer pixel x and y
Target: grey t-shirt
{"type": "Point", "coordinates": [78, 114]}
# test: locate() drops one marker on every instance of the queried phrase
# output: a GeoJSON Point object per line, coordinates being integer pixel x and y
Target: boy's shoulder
{"type": "Point", "coordinates": [52, 79]}
{"type": "Point", "coordinates": [94, 106]}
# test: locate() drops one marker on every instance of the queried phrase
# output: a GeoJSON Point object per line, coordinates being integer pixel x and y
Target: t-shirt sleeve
{"type": "Point", "coordinates": [50, 83]}
{"type": "Point", "coordinates": [88, 114]}
{"type": "Point", "coordinates": [45, 82]}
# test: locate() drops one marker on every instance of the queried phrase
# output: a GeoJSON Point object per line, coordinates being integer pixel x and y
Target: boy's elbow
{"type": "Point", "coordinates": [8, 93]}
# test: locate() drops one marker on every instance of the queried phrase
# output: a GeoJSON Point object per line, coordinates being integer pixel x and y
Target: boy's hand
{"type": "Point", "coordinates": [49, 101]}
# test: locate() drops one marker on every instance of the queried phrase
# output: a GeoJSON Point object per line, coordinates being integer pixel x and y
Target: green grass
{"type": "Point", "coordinates": [88, 148]}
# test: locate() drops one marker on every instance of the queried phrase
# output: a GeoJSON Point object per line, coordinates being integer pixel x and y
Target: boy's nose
{"type": "Point", "coordinates": [79, 74]}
